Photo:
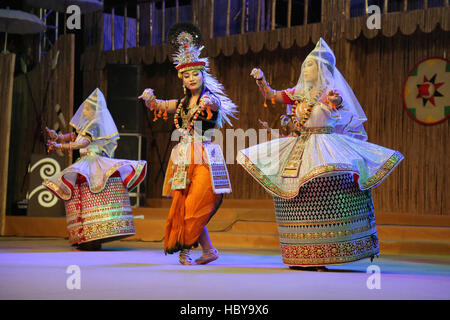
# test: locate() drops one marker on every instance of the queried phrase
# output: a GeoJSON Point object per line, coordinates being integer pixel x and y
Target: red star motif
{"type": "Point", "coordinates": [424, 90]}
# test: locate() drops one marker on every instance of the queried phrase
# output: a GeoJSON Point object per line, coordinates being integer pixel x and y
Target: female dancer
{"type": "Point", "coordinates": [321, 179]}
{"type": "Point", "coordinates": [95, 188]}
{"type": "Point", "coordinates": [197, 175]}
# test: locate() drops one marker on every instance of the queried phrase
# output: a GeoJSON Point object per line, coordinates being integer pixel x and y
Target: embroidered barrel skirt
{"type": "Point", "coordinates": [330, 221]}
{"type": "Point", "coordinates": [104, 216]}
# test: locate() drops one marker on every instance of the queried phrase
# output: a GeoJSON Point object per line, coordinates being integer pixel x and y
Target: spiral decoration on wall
{"type": "Point", "coordinates": [48, 167]}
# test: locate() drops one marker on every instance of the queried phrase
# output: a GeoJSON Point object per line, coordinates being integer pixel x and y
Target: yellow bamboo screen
{"type": "Point", "coordinates": [7, 63]}
{"type": "Point", "coordinates": [374, 62]}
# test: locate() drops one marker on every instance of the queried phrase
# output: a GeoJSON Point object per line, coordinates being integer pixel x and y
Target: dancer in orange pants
{"type": "Point", "coordinates": [191, 210]}
{"type": "Point", "coordinates": [197, 175]}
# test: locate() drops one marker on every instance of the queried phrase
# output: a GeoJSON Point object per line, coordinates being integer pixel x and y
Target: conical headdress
{"type": "Point", "coordinates": [352, 115]}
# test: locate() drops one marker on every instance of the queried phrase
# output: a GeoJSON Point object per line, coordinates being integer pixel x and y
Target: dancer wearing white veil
{"type": "Point", "coordinates": [196, 176]}
{"type": "Point", "coordinates": [95, 188]}
{"type": "Point", "coordinates": [321, 178]}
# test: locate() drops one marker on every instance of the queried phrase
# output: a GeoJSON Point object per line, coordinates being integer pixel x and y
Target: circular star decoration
{"type": "Point", "coordinates": [426, 92]}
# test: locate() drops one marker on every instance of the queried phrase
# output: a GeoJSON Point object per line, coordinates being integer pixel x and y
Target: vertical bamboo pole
{"type": "Point", "coordinates": [163, 27]}
{"type": "Point", "coordinates": [242, 16]}
{"type": "Point", "coordinates": [425, 4]}
{"type": "Point", "coordinates": [211, 21]}
{"type": "Point", "coordinates": [289, 14]}
{"type": "Point", "coordinates": [40, 35]}
{"type": "Point", "coordinates": [151, 23]}
{"type": "Point", "coordinates": [258, 17]}
{"type": "Point", "coordinates": [7, 62]}
{"type": "Point", "coordinates": [386, 6]}
{"type": "Point", "coordinates": [5, 43]}
{"type": "Point", "coordinates": [57, 25]}
{"type": "Point", "coordinates": [274, 8]}
{"type": "Point", "coordinates": [194, 12]}
{"type": "Point", "coordinates": [405, 5]}
{"type": "Point", "coordinates": [112, 29]}
{"type": "Point", "coordinates": [305, 12]}
{"type": "Point", "coordinates": [228, 18]}
{"type": "Point", "coordinates": [366, 7]}
{"type": "Point", "coordinates": [45, 21]}
{"type": "Point", "coordinates": [347, 9]}
{"type": "Point", "coordinates": [138, 24]}
{"type": "Point", "coordinates": [263, 15]}
{"type": "Point", "coordinates": [247, 16]}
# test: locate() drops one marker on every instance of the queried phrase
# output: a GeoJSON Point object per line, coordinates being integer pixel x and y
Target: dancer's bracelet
{"type": "Point", "coordinates": [268, 92]}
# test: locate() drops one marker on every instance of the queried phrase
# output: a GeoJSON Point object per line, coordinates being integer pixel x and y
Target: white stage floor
{"type": "Point", "coordinates": [36, 268]}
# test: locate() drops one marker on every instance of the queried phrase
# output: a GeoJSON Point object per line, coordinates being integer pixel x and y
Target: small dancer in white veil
{"type": "Point", "coordinates": [95, 188]}
{"type": "Point", "coordinates": [321, 177]}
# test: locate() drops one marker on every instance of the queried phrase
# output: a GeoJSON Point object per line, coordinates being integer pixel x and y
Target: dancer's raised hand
{"type": "Point", "coordinates": [51, 133]}
{"type": "Point", "coordinates": [147, 95]}
{"type": "Point", "coordinates": [335, 98]}
{"type": "Point", "coordinates": [264, 124]}
{"type": "Point", "coordinates": [52, 145]}
{"type": "Point", "coordinates": [257, 74]}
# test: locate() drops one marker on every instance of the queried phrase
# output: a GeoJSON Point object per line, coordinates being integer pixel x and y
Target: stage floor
{"type": "Point", "coordinates": [36, 268]}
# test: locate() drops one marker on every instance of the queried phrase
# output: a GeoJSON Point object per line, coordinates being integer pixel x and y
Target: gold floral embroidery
{"type": "Point", "coordinates": [55, 188]}
{"type": "Point", "coordinates": [96, 189]}
{"type": "Point", "coordinates": [381, 174]}
{"type": "Point", "coordinates": [331, 253]}
{"type": "Point", "coordinates": [325, 235]}
{"type": "Point", "coordinates": [319, 223]}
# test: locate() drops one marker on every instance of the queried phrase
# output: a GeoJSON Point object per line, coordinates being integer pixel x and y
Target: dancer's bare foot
{"type": "Point", "coordinates": [185, 258]}
{"type": "Point", "coordinates": [208, 256]}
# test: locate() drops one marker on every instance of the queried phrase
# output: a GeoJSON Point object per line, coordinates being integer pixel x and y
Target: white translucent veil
{"type": "Point", "coordinates": [101, 128]}
{"type": "Point", "coordinates": [352, 115]}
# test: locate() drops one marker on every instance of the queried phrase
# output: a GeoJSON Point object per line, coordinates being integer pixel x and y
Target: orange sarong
{"type": "Point", "coordinates": [191, 210]}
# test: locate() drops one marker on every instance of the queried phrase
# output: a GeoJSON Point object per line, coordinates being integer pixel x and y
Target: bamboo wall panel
{"type": "Point", "coordinates": [7, 63]}
{"type": "Point", "coordinates": [420, 184]}
{"type": "Point", "coordinates": [375, 68]}
{"type": "Point", "coordinates": [38, 92]}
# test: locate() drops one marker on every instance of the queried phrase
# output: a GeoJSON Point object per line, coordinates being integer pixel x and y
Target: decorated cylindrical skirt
{"type": "Point", "coordinates": [330, 221]}
{"type": "Point", "coordinates": [104, 216]}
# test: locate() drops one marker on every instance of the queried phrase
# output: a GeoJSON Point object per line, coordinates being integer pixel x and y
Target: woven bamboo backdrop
{"type": "Point", "coordinates": [34, 93]}
{"type": "Point", "coordinates": [375, 68]}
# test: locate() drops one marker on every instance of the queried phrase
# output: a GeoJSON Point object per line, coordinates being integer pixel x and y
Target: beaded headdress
{"type": "Point", "coordinates": [186, 38]}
